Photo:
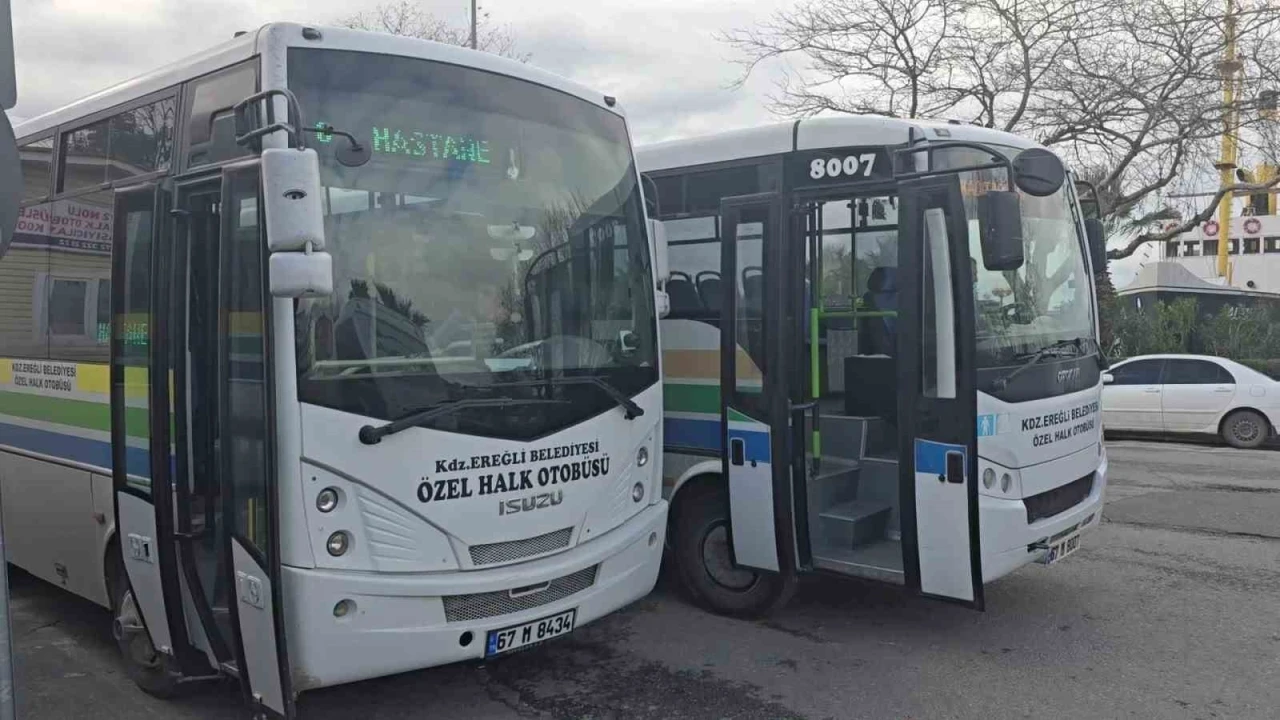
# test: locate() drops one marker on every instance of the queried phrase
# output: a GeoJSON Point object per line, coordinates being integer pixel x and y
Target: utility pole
{"type": "Point", "coordinates": [473, 24]}
{"type": "Point", "coordinates": [1229, 69]}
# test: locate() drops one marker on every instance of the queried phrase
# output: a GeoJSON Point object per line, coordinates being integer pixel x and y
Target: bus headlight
{"type": "Point", "coordinates": [989, 478]}
{"type": "Point", "coordinates": [327, 500]}
{"type": "Point", "coordinates": [642, 457]}
{"type": "Point", "coordinates": [1006, 482]}
{"type": "Point", "coordinates": [637, 492]}
{"type": "Point", "coordinates": [338, 543]}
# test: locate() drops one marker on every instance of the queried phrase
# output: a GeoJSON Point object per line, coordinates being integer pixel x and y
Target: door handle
{"type": "Point", "coordinates": [737, 451]}
{"type": "Point", "coordinates": [1224, 390]}
{"type": "Point", "coordinates": [800, 407]}
{"type": "Point", "coordinates": [955, 468]}
{"type": "Point", "coordinates": [1151, 390]}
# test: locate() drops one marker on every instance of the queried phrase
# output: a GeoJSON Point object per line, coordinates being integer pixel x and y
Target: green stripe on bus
{"type": "Point", "coordinates": [84, 414]}
{"type": "Point", "coordinates": [691, 398]}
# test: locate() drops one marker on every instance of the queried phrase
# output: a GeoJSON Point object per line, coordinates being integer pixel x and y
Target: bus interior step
{"type": "Point", "coordinates": [855, 522]}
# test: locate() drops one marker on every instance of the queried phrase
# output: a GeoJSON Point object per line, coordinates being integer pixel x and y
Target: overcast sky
{"type": "Point", "coordinates": [661, 58]}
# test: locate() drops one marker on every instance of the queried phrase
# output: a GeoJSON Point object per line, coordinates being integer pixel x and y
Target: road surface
{"type": "Point", "coordinates": [1169, 610]}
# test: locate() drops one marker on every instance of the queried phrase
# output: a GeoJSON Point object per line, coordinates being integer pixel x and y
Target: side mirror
{"type": "Point", "coordinates": [1097, 243]}
{"type": "Point", "coordinates": [661, 259]}
{"type": "Point", "coordinates": [1038, 172]}
{"type": "Point", "coordinates": [1108, 378]}
{"type": "Point", "coordinates": [297, 267]}
{"type": "Point", "coordinates": [300, 274]}
{"type": "Point", "coordinates": [1000, 226]}
{"type": "Point", "coordinates": [291, 198]}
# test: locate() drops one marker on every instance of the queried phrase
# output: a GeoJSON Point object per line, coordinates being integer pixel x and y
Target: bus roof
{"type": "Point", "coordinates": [257, 41]}
{"type": "Point", "coordinates": [810, 134]}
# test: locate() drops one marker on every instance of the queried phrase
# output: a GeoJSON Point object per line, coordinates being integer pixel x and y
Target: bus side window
{"type": "Point", "coordinates": [210, 135]}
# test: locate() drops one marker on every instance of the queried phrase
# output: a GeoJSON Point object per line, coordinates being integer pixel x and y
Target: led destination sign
{"type": "Point", "coordinates": [390, 141]}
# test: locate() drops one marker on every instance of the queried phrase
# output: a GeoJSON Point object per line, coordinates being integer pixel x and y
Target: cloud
{"type": "Point", "coordinates": [660, 58]}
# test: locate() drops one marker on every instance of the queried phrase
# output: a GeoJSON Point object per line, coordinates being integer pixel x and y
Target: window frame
{"type": "Point", "coordinates": [94, 286]}
{"type": "Point", "coordinates": [1219, 371]}
{"type": "Point", "coordinates": [1159, 362]}
{"type": "Point", "coordinates": [61, 131]}
{"type": "Point", "coordinates": [50, 134]}
{"type": "Point", "coordinates": [186, 98]}
{"type": "Point", "coordinates": [768, 167]}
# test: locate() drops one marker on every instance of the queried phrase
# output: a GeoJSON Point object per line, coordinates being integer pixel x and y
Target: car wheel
{"type": "Point", "coordinates": [705, 566]}
{"type": "Point", "coordinates": [1245, 429]}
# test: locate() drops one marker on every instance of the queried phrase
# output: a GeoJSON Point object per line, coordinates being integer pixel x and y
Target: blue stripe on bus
{"type": "Point", "coordinates": [931, 457]}
{"type": "Point", "coordinates": [706, 435]}
{"type": "Point", "coordinates": [75, 449]}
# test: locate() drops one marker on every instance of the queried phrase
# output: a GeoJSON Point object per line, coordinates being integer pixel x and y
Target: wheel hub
{"type": "Point", "coordinates": [1246, 430]}
{"type": "Point", "coordinates": [132, 636]}
{"type": "Point", "coordinates": [718, 561]}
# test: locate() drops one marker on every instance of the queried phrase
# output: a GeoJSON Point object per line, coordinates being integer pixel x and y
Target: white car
{"type": "Point", "coordinates": [1195, 394]}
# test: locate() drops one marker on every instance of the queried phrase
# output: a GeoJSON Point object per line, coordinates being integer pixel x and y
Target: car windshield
{"type": "Point", "coordinates": [494, 237]}
{"type": "Point", "coordinates": [1047, 300]}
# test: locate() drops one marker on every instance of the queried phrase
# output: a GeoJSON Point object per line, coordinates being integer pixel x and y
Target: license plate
{"type": "Point", "coordinates": [531, 633]}
{"type": "Point", "coordinates": [1062, 549]}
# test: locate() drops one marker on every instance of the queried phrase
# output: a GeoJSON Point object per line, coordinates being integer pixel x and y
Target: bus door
{"type": "Point", "coordinates": [937, 387]}
{"type": "Point", "coordinates": [148, 598]}
{"type": "Point", "coordinates": [243, 448]}
{"type": "Point", "coordinates": [753, 396]}
{"type": "Point", "coordinates": [196, 521]}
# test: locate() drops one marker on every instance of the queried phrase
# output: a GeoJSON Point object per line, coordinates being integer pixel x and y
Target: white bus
{"type": "Point", "coordinates": [329, 355]}
{"type": "Point", "coordinates": [895, 338]}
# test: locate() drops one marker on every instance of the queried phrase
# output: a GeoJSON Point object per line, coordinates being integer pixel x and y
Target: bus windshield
{"type": "Point", "coordinates": [495, 238]}
{"type": "Point", "coordinates": [1047, 300]}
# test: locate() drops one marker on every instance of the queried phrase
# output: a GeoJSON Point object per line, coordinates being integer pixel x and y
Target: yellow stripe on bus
{"type": "Point", "coordinates": [6, 372]}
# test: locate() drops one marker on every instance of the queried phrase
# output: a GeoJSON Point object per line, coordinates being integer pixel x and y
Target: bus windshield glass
{"type": "Point", "coordinates": [494, 241]}
{"type": "Point", "coordinates": [1047, 300]}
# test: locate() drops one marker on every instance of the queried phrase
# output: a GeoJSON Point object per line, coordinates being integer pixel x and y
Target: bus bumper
{"type": "Point", "coordinates": [1008, 540]}
{"type": "Point", "coordinates": [399, 622]}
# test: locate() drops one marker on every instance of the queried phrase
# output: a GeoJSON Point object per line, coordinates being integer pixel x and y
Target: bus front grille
{"type": "Point", "coordinates": [478, 606]}
{"type": "Point", "coordinates": [501, 552]}
{"type": "Point", "coordinates": [1058, 500]}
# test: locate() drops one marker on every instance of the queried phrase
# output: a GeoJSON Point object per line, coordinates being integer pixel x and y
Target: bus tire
{"type": "Point", "coordinates": [701, 553]}
{"type": "Point", "coordinates": [149, 670]}
{"type": "Point", "coordinates": [1245, 429]}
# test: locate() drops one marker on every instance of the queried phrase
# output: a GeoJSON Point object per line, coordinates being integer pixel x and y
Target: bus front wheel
{"type": "Point", "coordinates": [705, 565]}
{"type": "Point", "coordinates": [149, 669]}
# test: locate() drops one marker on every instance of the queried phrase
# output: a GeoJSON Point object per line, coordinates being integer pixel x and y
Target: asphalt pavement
{"type": "Point", "coordinates": [1169, 610]}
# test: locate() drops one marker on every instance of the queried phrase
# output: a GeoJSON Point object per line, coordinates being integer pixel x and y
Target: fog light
{"type": "Point", "coordinates": [642, 457]}
{"type": "Point", "coordinates": [343, 608]}
{"type": "Point", "coordinates": [1006, 482]}
{"type": "Point", "coordinates": [327, 500]}
{"type": "Point", "coordinates": [637, 492]}
{"type": "Point", "coordinates": [338, 543]}
{"type": "Point", "coordinates": [988, 478]}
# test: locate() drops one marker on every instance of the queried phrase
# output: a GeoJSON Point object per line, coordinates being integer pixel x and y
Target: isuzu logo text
{"type": "Point", "coordinates": [533, 502]}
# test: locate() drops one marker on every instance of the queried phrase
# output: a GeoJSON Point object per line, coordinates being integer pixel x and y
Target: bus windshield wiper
{"type": "Point", "coordinates": [628, 405]}
{"type": "Point", "coordinates": [371, 435]}
{"type": "Point", "coordinates": [1060, 348]}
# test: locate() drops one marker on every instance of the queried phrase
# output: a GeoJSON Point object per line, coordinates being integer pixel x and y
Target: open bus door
{"type": "Point", "coordinates": [192, 428]}
{"type": "Point", "coordinates": [776, 497]}
{"type": "Point", "coordinates": [752, 421]}
{"type": "Point", "coordinates": [937, 399]}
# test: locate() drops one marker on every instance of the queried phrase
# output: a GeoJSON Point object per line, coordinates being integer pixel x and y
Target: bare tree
{"type": "Point", "coordinates": [408, 18]}
{"type": "Point", "coordinates": [1129, 91]}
